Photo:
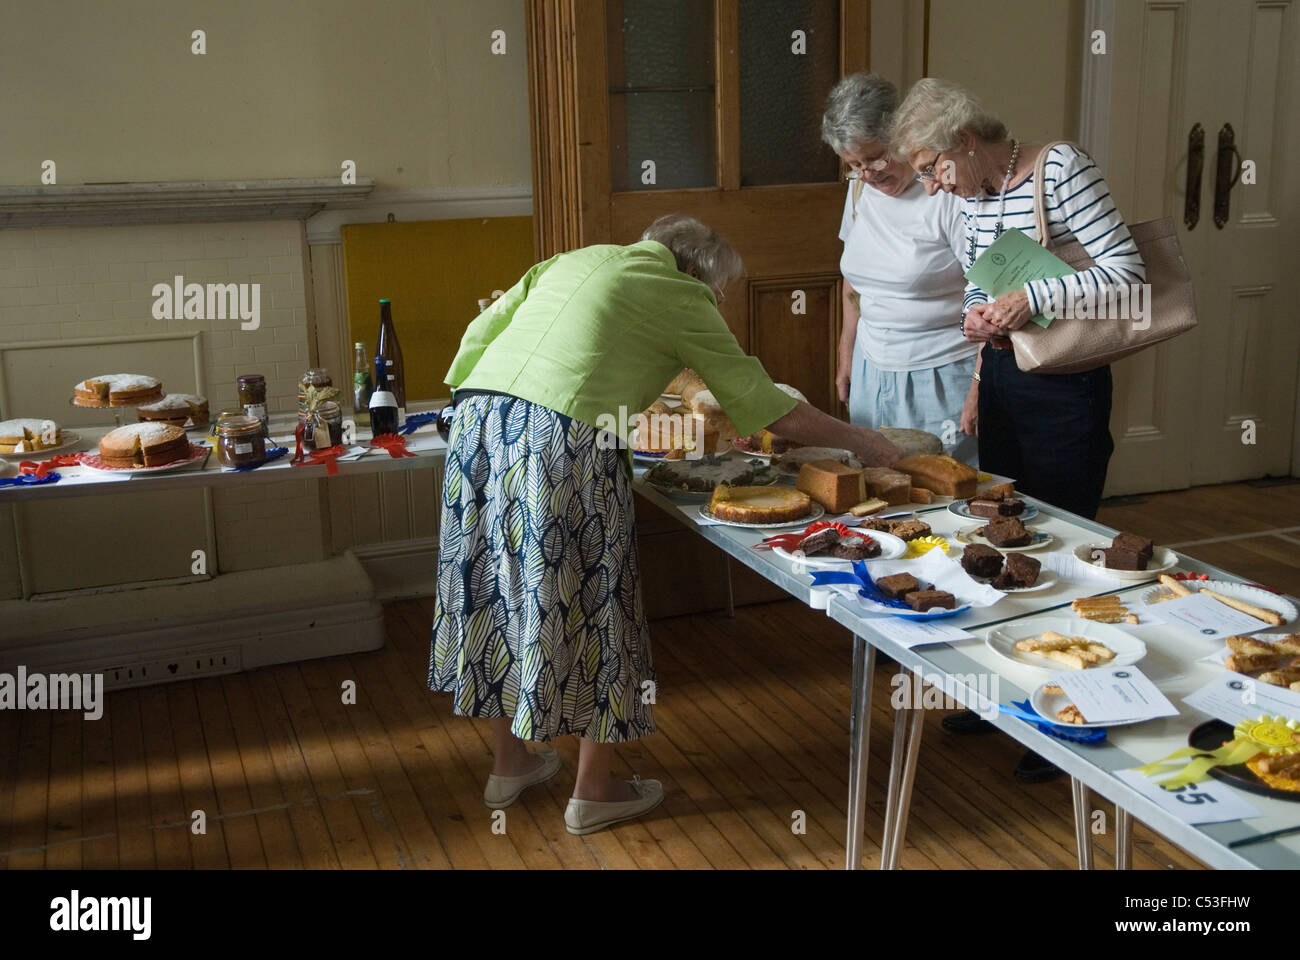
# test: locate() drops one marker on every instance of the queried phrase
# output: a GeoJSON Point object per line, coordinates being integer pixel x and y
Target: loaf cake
{"type": "Point", "coordinates": [758, 504]}
{"type": "Point", "coordinates": [1006, 532]}
{"type": "Point", "coordinates": [892, 486]}
{"type": "Point", "coordinates": [144, 445]}
{"type": "Point", "coordinates": [833, 485]}
{"type": "Point", "coordinates": [981, 560]}
{"type": "Point", "coordinates": [24, 435]}
{"type": "Point", "coordinates": [941, 474]}
{"type": "Point", "coordinates": [117, 390]}
{"type": "Point", "coordinates": [1020, 572]}
{"type": "Point", "coordinates": [178, 409]}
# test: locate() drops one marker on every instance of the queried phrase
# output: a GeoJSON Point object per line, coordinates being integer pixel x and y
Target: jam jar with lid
{"type": "Point", "coordinates": [252, 397]}
{"type": "Point", "coordinates": [328, 426]}
{"type": "Point", "coordinates": [317, 377]}
{"type": "Point", "coordinates": [240, 441]}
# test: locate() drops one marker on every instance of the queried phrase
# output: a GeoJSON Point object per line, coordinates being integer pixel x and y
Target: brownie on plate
{"type": "Point", "coordinates": [1123, 558]}
{"type": "Point", "coordinates": [1020, 572]}
{"type": "Point", "coordinates": [910, 529]}
{"type": "Point", "coordinates": [855, 548]}
{"type": "Point", "coordinates": [897, 585]}
{"type": "Point", "coordinates": [1006, 532]}
{"type": "Point", "coordinates": [922, 600]}
{"type": "Point", "coordinates": [1142, 546]}
{"type": "Point", "coordinates": [980, 560]}
{"type": "Point", "coordinates": [819, 542]}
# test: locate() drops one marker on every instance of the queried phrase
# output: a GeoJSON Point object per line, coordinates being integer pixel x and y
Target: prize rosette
{"type": "Point", "coordinates": [1264, 734]}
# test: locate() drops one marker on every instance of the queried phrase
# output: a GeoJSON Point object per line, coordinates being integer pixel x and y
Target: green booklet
{"type": "Point", "coordinates": [1012, 261]}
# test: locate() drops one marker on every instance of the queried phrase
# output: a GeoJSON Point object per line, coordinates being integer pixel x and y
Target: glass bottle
{"type": "Point", "coordinates": [383, 405]}
{"type": "Point", "coordinates": [362, 385]}
{"type": "Point", "coordinates": [390, 351]}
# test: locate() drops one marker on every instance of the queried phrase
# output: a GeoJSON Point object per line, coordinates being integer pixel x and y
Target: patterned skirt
{"type": "Point", "coordinates": [538, 615]}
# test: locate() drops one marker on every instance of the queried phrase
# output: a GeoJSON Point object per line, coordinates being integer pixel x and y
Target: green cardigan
{"type": "Point", "coordinates": [597, 333]}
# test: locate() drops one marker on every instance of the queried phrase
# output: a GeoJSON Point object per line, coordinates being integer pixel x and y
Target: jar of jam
{"type": "Point", "coordinates": [317, 377]}
{"type": "Point", "coordinates": [328, 428]}
{"type": "Point", "coordinates": [240, 441]}
{"type": "Point", "coordinates": [252, 398]}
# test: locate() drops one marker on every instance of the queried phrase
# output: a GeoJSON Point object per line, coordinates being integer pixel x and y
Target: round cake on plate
{"type": "Point", "coordinates": [117, 390]}
{"type": "Point", "coordinates": [144, 445]}
{"type": "Point", "coordinates": [176, 409]}
{"type": "Point", "coordinates": [759, 504]}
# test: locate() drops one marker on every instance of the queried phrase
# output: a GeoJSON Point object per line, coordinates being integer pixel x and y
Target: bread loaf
{"type": "Point", "coordinates": [833, 485]}
{"type": "Point", "coordinates": [941, 474]}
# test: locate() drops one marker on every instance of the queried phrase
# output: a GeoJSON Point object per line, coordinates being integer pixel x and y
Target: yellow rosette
{"type": "Point", "coordinates": [1264, 734]}
{"type": "Point", "coordinates": [923, 545]}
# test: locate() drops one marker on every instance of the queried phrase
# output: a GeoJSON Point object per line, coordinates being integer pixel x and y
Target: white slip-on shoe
{"type": "Point", "coordinates": [588, 816]}
{"type": "Point", "coordinates": [500, 792]}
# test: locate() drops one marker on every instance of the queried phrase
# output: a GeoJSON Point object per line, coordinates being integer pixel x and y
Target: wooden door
{"type": "Point", "coordinates": [1183, 410]}
{"type": "Point", "coordinates": [713, 109]}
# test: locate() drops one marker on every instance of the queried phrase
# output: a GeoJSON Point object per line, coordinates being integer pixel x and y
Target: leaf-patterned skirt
{"type": "Point", "coordinates": [538, 615]}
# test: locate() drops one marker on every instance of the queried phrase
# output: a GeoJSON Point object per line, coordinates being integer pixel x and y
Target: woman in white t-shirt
{"type": "Point", "coordinates": [902, 360]}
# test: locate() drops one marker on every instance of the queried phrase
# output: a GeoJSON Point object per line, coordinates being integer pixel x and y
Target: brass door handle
{"type": "Point", "coordinates": [1195, 164]}
{"type": "Point", "coordinates": [1228, 171]}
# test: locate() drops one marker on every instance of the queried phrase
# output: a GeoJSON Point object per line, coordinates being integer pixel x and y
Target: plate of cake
{"type": "Point", "coordinates": [696, 479]}
{"type": "Point", "coordinates": [1011, 572]}
{"type": "Point", "coordinates": [178, 409]}
{"type": "Point", "coordinates": [31, 438]}
{"type": "Point", "coordinates": [992, 502]}
{"type": "Point", "coordinates": [760, 507]}
{"type": "Point", "coordinates": [829, 549]}
{"type": "Point", "coordinates": [117, 390]}
{"type": "Point", "coordinates": [1006, 534]}
{"type": "Point", "coordinates": [145, 447]}
{"type": "Point", "coordinates": [922, 600]}
{"type": "Point", "coordinates": [1053, 644]}
{"type": "Point", "coordinates": [1129, 556]}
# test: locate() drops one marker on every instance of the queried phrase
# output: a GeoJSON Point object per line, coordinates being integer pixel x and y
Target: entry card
{"type": "Point", "coordinates": [1234, 697]}
{"type": "Point", "coordinates": [918, 633]}
{"type": "Point", "coordinates": [1012, 261]}
{"type": "Point", "coordinates": [1210, 801]}
{"type": "Point", "coordinates": [1208, 618]}
{"type": "Point", "coordinates": [1107, 694]}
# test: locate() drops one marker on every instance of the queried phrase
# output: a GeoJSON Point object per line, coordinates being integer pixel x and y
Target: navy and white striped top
{"type": "Point", "coordinates": [1079, 206]}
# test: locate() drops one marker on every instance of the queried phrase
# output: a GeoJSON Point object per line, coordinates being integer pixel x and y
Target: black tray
{"type": "Point", "coordinates": [1211, 735]}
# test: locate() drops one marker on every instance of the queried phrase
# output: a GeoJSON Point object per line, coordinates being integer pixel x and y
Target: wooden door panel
{"type": "Point", "coordinates": [797, 348]}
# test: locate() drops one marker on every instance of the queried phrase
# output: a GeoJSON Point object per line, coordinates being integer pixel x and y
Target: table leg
{"type": "Point", "coordinates": [895, 783]}
{"type": "Point", "coordinates": [731, 595]}
{"type": "Point", "coordinates": [899, 826]}
{"type": "Point", "coordinates": [1123, 839]}
{"type": "Point", "coordinates": [1081, 837]}
{"type": "Point", "coordinates": [864, 666]}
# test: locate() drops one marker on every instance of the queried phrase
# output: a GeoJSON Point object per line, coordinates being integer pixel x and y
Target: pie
{"type": "Point", "coordinates": [758, 504]}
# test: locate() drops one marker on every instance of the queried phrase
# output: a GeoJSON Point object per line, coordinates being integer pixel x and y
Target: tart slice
{"type": "Point", "coordinates": [758, 504]}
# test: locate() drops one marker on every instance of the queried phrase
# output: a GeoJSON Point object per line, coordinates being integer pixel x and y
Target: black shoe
{"type": "Point", "coordinates": [967, 721]}
{"type": "Point", "coordinates": [1034, 769]}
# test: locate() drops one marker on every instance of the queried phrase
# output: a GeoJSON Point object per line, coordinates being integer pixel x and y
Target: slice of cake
{"type": "Point", "coordinates": [144, 445]}
{"type": "Point", "coordinates": [1006, 532]}
{"type": "Point", "coordinates": [1020, 572]}
{"type": "Point", "coordinates": [981, 560]}
{"type": "Point", "coordinates": [897, 586]}
{"type": "Point", "coordinates": [178, 409]}
{"type": "Point", "coordinates": [1144, 547]}
{"type": "Point", "coordinates": [26, 435]}
{"type": "Point", "coordinates": [758, 504]}
{"type": "Point", "coordinates": [1123, 558]}
{"type": "Point", "coordinates": [923, 600]}
{"type": "Point", "coordinates": [855, 548]}
{"type": "Point", "coordinates": [987, 508]}
{"type": "Point", "coordinates": [833, 485]}
{"type": "Point", "coordinates": [819, 542]}
{"type": "Point", "coordinates": [892, 486]}
{"type": "Point", "coordinates": [940, 473]}
{"type": "Point", "coordinates": [117, 390]}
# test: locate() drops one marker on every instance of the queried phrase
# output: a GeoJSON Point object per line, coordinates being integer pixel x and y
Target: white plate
{"type": "Point", "coordinates": [1238, 591]}
{"type": "Point", "coordinates": [198, 454]}
{"type": "Point", "coordinates": [1002, 641]}
{"type": "Point", "coordinates": [1162, 559]}
{"type": "Point", "coordinates": [1041, 539]}
{"type": "Point", "coordinates": [70, 439]}
{"type": "Point", "coordinates": [959, 508]}
{"type": "Point", "coordinates": [1046, 704]}
{"type": "Point", "coordinates": [1046, 580]}
{"type": "Point", "coordinates": [891, 548]}
{"type": "Point", "coordinates": [815, 514]}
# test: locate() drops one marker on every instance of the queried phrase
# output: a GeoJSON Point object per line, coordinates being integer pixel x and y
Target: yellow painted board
{"type": "Point", "coordinates": [434, 272]}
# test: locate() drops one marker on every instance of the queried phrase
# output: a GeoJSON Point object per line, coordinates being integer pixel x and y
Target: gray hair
{"type": "Point", "coordinates": [934, 115]}
{"type": "Point", "coordinates": [858, 111]}
{"type": "Point", "coordinates": [696, 245]}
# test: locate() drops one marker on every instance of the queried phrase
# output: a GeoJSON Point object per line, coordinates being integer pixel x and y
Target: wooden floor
{"type": "Point", "coordinates": [753, 718]}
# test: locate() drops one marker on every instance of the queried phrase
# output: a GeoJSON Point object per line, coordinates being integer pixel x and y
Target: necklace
{"type": "Point", "coordinates": [1006, 182]}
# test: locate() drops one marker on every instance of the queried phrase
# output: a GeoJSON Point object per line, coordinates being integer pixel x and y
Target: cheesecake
{"type": "Point", "coordinates": [759, 504]}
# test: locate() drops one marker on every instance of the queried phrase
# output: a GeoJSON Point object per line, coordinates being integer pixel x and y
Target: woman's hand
{"type": "Point", "coordinates": [977, 326]}
{"type": "Point", "coordinates": [970, 411]}
{"type": "Point", "coordinates": [842, 380]}
{"type": "Point", "coordinates": [1009, 311]}
{"type": "Point", "coordinates": [876, 451]}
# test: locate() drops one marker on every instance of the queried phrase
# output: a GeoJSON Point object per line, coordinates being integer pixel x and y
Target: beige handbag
{"type": "Point", "coordinates": [1073, 345]}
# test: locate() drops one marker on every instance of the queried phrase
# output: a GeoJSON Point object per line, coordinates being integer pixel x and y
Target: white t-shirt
{"type": "Point", "coordinates": [902, 255]}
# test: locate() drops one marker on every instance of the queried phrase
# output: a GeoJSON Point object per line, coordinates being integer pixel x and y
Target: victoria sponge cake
{"type": "Point", "coordinates": [144, 445]}
{"type": "Point", "coordinates": [176, 409]}
{"type": "Point", "coordinates": [117, 390]}
{"type": "Point", "coordinates": [23, 435]}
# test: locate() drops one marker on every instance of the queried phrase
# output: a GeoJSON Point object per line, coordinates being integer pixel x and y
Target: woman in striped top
{"type": "Point", "coordinates": [1049, 431]}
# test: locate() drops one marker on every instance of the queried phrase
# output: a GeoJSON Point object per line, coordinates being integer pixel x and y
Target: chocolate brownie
{"type": "Point", "coordinates": [819, 542]}
{"type": "Point", "coordinates": [897, 585]}
{"type": "Point", "coordinates": [1122, 558]}
{"type": "Point", "coordinates": [1021, 571]}
{"type": "Point", "coordinates": [1006, 532]}
{"type": "Point", "coordinates": [855, 548]}
{"type": "Point", "coordinates": [922, 600]}
{"type": "Point", "coordinates": [981, 561]}
{"type": "Point", "coordinates": [1142, 546]}
{"type": "Point", "coordinates": [909, 529]}
{"type": "Point", "coordinates": [876, 523]}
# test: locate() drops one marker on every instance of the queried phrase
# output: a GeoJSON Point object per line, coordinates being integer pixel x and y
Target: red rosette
{"type": "Point", "coordinates": [329, 457]}
{"type": "Point", "coordinates": [394, 443]}
{"type": "Point", "coordinates": [45, 467]}
{"type": "Point", "coordinates": [790, 541]}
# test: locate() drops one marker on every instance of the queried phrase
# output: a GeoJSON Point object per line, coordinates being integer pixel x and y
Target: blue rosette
{"type": "Point", "coordinates": [866, 587]}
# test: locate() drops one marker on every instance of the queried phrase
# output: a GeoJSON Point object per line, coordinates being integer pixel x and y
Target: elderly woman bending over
{"type": "Point", "coordinates": [1050, 432]}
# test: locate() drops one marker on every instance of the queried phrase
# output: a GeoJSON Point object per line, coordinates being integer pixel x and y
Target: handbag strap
{"type": "Point", "coordinates": [1040, 202]}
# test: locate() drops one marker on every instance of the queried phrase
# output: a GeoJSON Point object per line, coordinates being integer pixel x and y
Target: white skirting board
{"type": "Point", "coordinates": [230, 623]}
{"type": "Point", "coordinates": [401, 569]}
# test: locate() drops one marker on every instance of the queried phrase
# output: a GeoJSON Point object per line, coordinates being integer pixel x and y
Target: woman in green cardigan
{"type": "Point", "coordinates": [538, 624]}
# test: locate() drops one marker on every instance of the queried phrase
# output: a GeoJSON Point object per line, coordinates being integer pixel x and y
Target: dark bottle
{"type": "Point", "coordinates": [388, 349]}
{"type": "Point", "coordinates": [383, 406]}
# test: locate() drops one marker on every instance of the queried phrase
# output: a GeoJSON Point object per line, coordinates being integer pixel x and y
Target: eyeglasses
{"type": "Point", "coordinates": [927, 174]}
{"type": "Point", "coordinates": [862, 170]}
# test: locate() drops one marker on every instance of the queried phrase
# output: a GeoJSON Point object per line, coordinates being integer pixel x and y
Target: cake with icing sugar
{"type": "Point", "coordinates": [176, 409]}
{"type": "Point", "coordinates": [24, 435]}
{"type": "Point", "coordinates": [144, 445]}
{"type": "Point", "coordinates": [117, 390]}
